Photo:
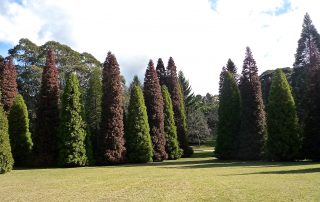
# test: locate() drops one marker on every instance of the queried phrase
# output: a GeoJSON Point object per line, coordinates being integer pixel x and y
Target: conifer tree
{"type": "Point", "coordinates": [221, 77]}
{"type": "Point", "coordinates": [154, 104]}
{"type": "Point", "coordinates": [303, 59]}
{"type": "Point", "coordinates": [231, 67]}
{"type": "Point", "coordinates": [253, 122]}
{"type": "Point", "coordinates": [188, 95]}
{"type": "Point", "coordinates": [93, 108]}
{"type": "Point", "coordinates": [178, 109]}
{"type": "Point", "coordinates": [111, 139]}
{"type": "Point", "coordinates": [170, 129]}
{"type": "Point", "coordinates": [135, 82]}
{"type": "Point", "coordinates": [46, 131]}
{"type": "Point", "coordinates": [229, 119]}
{"type": "Point", "coordinates": [161, 72]}
{"type": "Point", "coordinates": [8, 83]}
{"type": "Point", "coordinates": [20, 136]}
{"type": "Point", "coordinates": [138, 140]}
{"type": "Point", "coordinates": [283, 141]}
{"type": "Point", "coordinates": [72, 134]}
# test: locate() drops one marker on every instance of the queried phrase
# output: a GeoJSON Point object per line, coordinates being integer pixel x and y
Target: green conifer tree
{"type": "Point", "coordinates": [283, 141]}
{"type": "Point", "coordinates": [72, 149]}
{"type": "Point", "coordinates": [20, 136]}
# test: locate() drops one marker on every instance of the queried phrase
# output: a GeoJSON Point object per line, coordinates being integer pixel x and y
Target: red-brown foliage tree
{"type": "Point", "coordinates": [154, 104]}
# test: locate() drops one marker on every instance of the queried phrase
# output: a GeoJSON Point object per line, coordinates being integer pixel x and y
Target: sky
{"type": "Point", "coordinates": [200, 35]}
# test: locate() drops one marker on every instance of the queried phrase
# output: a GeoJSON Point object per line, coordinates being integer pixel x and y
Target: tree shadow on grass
{"type": "Point", "coordinates": [296, 171]}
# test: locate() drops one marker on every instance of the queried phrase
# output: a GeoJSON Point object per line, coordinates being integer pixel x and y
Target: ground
{"type": "Point", "coordinates": [200, 178]}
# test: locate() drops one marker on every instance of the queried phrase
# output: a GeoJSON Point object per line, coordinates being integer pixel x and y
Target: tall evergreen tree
{"type": "Point", "coordinates": [135, 82]}
{"type": "Point", "coordinates": [177, 100]}
{"type": "Point", "coordinates": [221, 77]}
{"type": "Point", "coordinates": [20, 136]}
{"type": "Point", "coordinates": [45, 136]}
{"type": "Point", "coordinates": [154, 103]}
{"type": "Point", "coordinates": [188, 95]}
{"type": "Point", "coordinates": [8, 83]}
{"type": "Point", "coordinates": [111, 140]}
{"type": "Point", "coordinates": [161, 72]}
{"type": "Point", "coordinates": [283, 141]}
{"type": "Point", "coordinates": [93, 108]}
{"type": "Point", "coordinates": [253, 122]}
{"type": "Point", "coordinates": [303, 58]}
{"type": "Point", "coordinates": [229, 119]}
{"type": "Point", "coordinates": [170, 129]}
{"type": "Point", "coordinates": [138, 140]}
{"type": "Point", "coordinates": [72, 136]}
{"type": "Point", "coordinates": [231, 67]}
{"type": "Point", "coordinates": [6, 159]}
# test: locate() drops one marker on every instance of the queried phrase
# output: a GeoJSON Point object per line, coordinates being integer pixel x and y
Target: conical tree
{"type": "Point", "coordinates": [8, 83]}
{"type": "Point", "coordinates": [161, 72]}
{"type": "Point", "coordinates": [221, 77]}
{"type": "Point", "coordinates": [188, 95]}
{"type": "Point", "coordinates": [93, 108]}
{"type": "Point", "coordinates": [20, 136]}
{"type": "Point", "coordinates": [47, 124]}
{"type": "Point", "coordinates": [154, 104]}
{"type": "Point", "coordinates": [229, 119]}
{"type": "Point", "coordinates": [72, 149]}
{"type": "Point", "coordinates": [179, 115]}
{"type": "Point", "coordinates": [303, 57]}
{"type": "Point", "coordinates": [231, 67]}
{"type": "Point", "coordinates": [253, 122]}
{"type": "Point", "coordinates": [170, 129]}
{"type": "Point", "coordinates": [111, 140]}
{"type": "Point", "coordinates": [135, 82]}
{"type": "Point", "coordinates": [283, 141]}
{"type": "Point", "coordinates": [138, 140]}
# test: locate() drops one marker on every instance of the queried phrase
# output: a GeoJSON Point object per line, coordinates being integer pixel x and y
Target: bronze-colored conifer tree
{"type": "Point", "coordinates": [154, 104]}
{"type": "Point", "coordinates": [8, 83]}
{"type": "Point", "coordinates": [111, 139]}
{"type": "Point", "coordinates": [45, 136]}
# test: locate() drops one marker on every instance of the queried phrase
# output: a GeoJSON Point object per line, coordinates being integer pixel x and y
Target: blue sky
{"type": "Point", "coordinates": [199, 34]}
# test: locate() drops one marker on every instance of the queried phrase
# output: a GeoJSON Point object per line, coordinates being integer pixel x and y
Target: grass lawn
{"type": "Point", "coordinates": [200, 178]}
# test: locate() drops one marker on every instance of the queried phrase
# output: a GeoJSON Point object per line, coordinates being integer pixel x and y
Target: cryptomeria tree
{"type": "Point", "coordinates": [161, 72]}
{"type": "Point", "coordinates": [111, 139]}
{"type": "Point", "coordinates": [283, 141]}
{"type": "Point", "coordinates": [45, 136]}
{"type": "Point", "coordinates": [72, 134]}
{"type": "Point", "coordinates": [303, 57]}
{"type": "Point", "coordinates": [138, 140]}
{"type": "Point", "coordinates": [177, 100]}
{"type": "Point", "coordinates": [229, 119]}
{"type": "Point", "coordinates": [8, 83]}
{"type": "Point", "coordinates": [20, 136]}
{"type": "Point", "coordinates": [252, 134]}
{"type": "Point", "coordinates": [230, 67]}
{"type": "Point", "coordinates": [154, 103]}
{"type": "Point", "coordinates": [6, 160]}
{"type": "Point", "coordinates": [170, 129]}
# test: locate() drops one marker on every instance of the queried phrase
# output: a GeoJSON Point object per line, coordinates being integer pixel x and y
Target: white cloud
{"type": "Point", "coordinates": [199, 38]}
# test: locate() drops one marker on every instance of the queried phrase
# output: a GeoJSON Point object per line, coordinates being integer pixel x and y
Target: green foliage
{"type": "Point", "coordinates": [138, 140]}
{"type": "Point", "coordinates": [198, 130]}
{"type": "Point", "coordinates": [229, 119]}
{"type": "Point", "coordinates": [283, 141]}
{"type": "Point", "coordinates": [20, 136]}
{"type": "Point", "coordinates": [170, 129]}
{"type": "Point", "coordinates": [72, 149]}
{"type": "Point", "coordinates": [188, 95]}
{"type": "Point", "coordinates": [6, 160]}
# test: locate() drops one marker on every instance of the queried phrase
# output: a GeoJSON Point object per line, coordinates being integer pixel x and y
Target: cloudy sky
{"type": "Point", "coordinates": [199, 34]}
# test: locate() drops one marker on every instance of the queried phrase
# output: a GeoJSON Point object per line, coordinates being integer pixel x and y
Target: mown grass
{"type": "Point", "coordinates": [200, 178]}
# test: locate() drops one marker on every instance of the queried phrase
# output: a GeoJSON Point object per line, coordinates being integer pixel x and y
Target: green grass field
{"type": "Point", "coordinates": [200, 178]}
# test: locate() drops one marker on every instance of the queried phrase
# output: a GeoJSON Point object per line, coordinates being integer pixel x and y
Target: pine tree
{"type": "Point", "coordinates": [20, 136]}
{"type": "Point", "coordinates": [253, 122]}
{"type": "Point", "coordinates": [229, 119]}
{"type": "Point", "coordinates": [170, 129]}
{"type": "Point", "coordinates": [189, 97]}
{"type": "Point", "coordinates": [231, 67]}
{"type": "Point", "coordinates": [72, 134]}
{"type": "Point", "coordinates": [154, 104]}
{"type": "Point", "coordinates": [178, 109]}
{"type": "Point", "coordinates": [8, 83]}
{"type": "Point", "coordinates": [161, 72]}
{"type": "Point", "coordinates": [6, 160]}
{"type": "Point", "coordinates": [283, 141]}
{"type": "Point", "coordinates": [303, 57]}
{"type": "Point", "coordinates": [138, 140]}
{"type": "Point", "coordinates": [221, 77]}
{"type": "Point", "coordinates": [93, 109]}
{"type": "Point", "coordinates": [111, 139]}
{"type": "Point", "coordinates": [46, 131]}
